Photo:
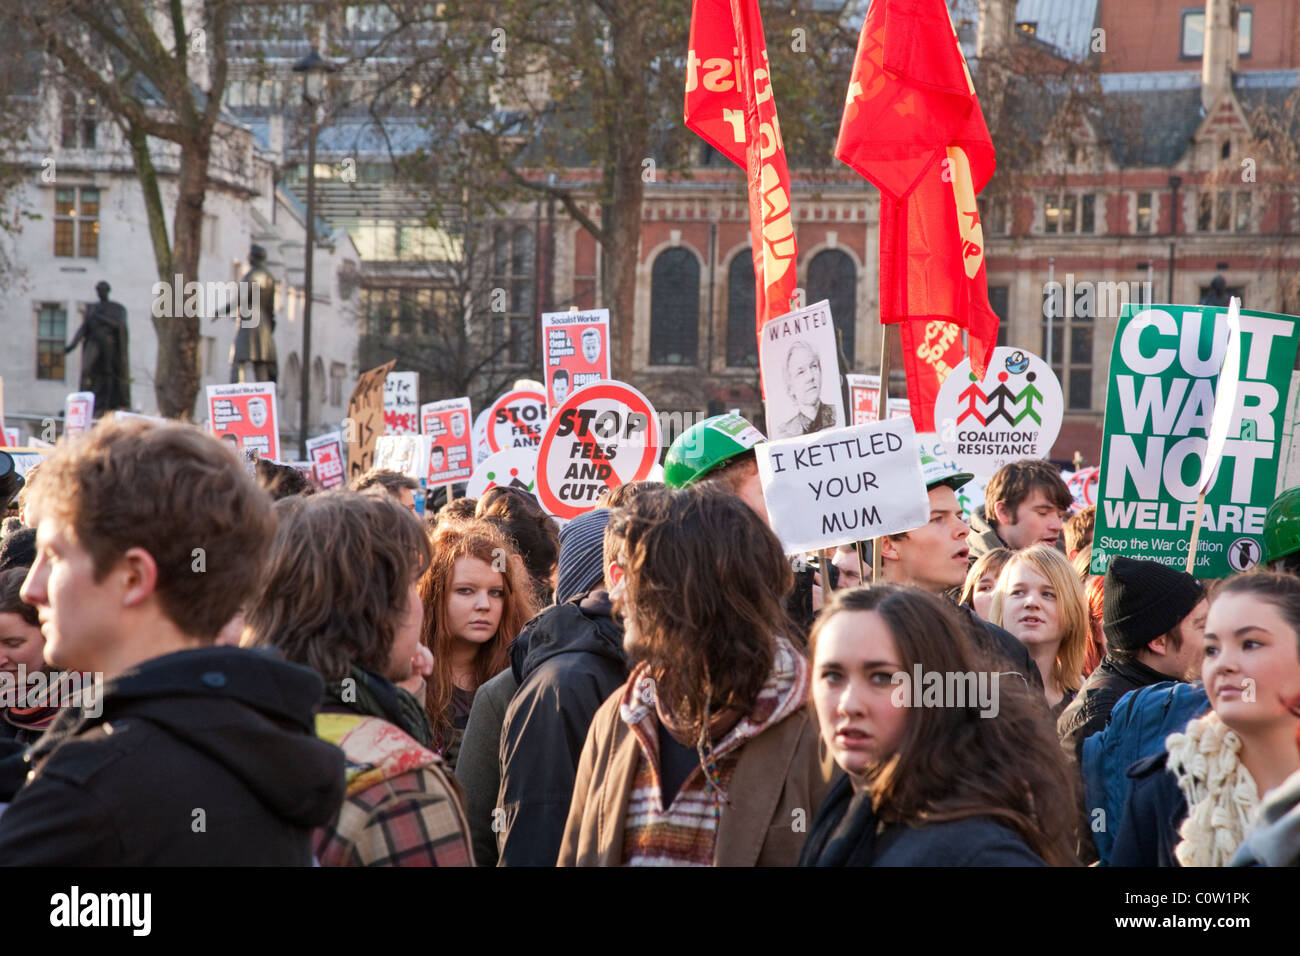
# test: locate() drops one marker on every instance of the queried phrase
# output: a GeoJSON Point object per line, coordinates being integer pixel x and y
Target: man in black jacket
{"type": "Point", "coordinates": [1154, 621]}
{"type": "Point", "coordinates": [934, 558]}
{"type": "Point", "coordinates": [150, 538]}
{"type": "Point", "coordinates": [573, 661]}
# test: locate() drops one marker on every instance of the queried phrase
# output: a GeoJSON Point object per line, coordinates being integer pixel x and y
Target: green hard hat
{"type": "Point", "coordinates": [706, 445]}
{"type": "Point", "coordinates": [1282, 526]}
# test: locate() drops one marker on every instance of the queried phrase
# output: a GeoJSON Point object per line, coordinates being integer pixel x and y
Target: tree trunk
{"type": "Point", "coordinates": [176, 375]}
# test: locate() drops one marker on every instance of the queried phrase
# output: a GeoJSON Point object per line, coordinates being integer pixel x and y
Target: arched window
{"type": "Point", "coordinates": [318, 380]}
{"type": "Point", "coordinates": [742, 343]}
{"type": "Point", "coordinates": [832, 276]}
{"type": "Point", "coordinates": [675, 308]}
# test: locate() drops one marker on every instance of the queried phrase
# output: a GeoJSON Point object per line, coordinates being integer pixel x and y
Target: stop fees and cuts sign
{"type": "Point", "coordinates": [601, 437]}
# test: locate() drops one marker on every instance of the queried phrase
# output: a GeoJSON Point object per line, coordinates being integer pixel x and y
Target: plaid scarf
{"type": "Point", "coordinates": [685, 833]}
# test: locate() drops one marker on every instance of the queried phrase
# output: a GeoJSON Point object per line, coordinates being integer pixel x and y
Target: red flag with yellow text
{"type": "Point", "coordinates": [913, 126]}
{"type": "Point", "coordinates": [729, 103]}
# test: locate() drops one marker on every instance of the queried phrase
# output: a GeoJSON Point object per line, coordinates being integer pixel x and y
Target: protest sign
{"type": "Point", "coordinates": [898, 408]}
{"type": "Point", "coordinates": [401, 398]}
{"type": "Point", "coordinates": [1083, 486]}
{"type": "Point", "coordinates": [326, 454]}
{"type": "Point", "coordinates": [27, 458]}
{"type": "Point", "coordinates": [1013, 413]}
{"type": "Point", "coordinates": [118, 414]}
{"type": "Point", "coordinates": [800, 365]}
{"type": "Point", "coordinates": [511, 467]}
{"type": "Point", "coordinates": [479, 437]}
{"type": "Point", "coordinates": [516, 420]}
{"type": "Point", "coordinates": [447, 426]}
{"type": "Point", "coordinates": [864, 397]}
{"type": "Point", "coordinates": [10, 437]}
{"type": "Point", "coordinates": [1164, 368]}
{"type": "Point", "coordinates": [405, 454]}
{"type": "Point", "coordinates": [365, 421]}
{"type": "Point", "coordinates": [602, 437]}
{"type": "Point", "coordinates": [78, 413]}
{"type": "Point", "coordinates": [244, 413]}
{"type": "Point", "coordinates": [575, 351]}
{"type": "Point", "coordinates": [843, 485]}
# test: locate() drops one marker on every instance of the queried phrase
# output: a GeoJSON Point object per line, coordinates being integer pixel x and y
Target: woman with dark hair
{"type": "Point", "coordinates": [476, 598]}
{"type": "Point", "coordinates": [968, 776]}
{"type": "Point", "coordinates": [531, 531]}
{"type": "Point", "coordinates": [706, 755]}
{"type": "Point", "coordinates": [1192, 804]}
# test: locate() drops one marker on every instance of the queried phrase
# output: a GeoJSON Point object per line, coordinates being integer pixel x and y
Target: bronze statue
{"type": "Point", "coordinates": [105, 357]}
{"type": "Point", "coordinates": [252, 354]}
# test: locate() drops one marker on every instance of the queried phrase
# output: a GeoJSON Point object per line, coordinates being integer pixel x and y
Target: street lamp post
{"type": "Point", "coordinates": [313, 68]}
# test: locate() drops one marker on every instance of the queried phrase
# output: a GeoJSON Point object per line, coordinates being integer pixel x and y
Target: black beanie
{"type": "Point", "coordinates": [1145, 600]}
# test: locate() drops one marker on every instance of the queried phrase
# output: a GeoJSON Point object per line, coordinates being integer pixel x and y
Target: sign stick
{"type": "Point", "coordinates": [881, 398]}
{"type": "Point", "coordinates": [862, 571]}
{"type": "Point", "coordinates": [1196, 532]}
{"type": "Point", "coordinates": [824, 555]}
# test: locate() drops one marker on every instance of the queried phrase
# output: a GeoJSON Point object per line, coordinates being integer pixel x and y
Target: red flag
{"type": "Point", "coordinates": [912, 125]}
{"type": "Point", "coordinates": [729, 103]}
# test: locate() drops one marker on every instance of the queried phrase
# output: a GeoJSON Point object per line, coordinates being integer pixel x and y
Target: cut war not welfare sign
{"type": "Point", "coordinates": [1164, 370]}
{"type": "Point", "coordinates": [842, 485]}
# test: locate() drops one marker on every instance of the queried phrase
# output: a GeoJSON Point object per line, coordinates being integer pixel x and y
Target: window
{"type": "Point", "coordinates": [514, 326]}
{"type": "Point", "coordinates": [1223, 211]}
{"type": "Point", "coordinates": [832, 276]}
{"type": "Point", "coordinates": [51, 341]}
{"type": "Point", "coordinates": [1070, 213]}
{"type": "Point", "coordinates": [742, 343]}
{"type": "Point", "coordinates": [1000, 299]}
{"type": "Point", "coordinates": [1193, 45]}
{"type": "Point", "coordinates": [338, 372]}
{"type": "Point", "coordinates": [996, 220]}
{"type": "Point", "coordinates": [675, 308]}
{"type": "Point", "coordinates": [1070, 353]}
{"type": "Point", "coordinates": [76, 222]}
{"type": "Point", "coordinates": [1145, 221]}
{"type": "Point", "coordinates": [78, 122]}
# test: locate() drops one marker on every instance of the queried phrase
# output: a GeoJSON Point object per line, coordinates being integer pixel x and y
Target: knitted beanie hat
{"type": "Point", "coordinates": [1145, 600]}
{"type": "Point", "coordinates": [581, 563]}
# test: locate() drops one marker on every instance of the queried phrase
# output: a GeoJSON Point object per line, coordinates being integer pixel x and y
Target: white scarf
{"type": "Point", "coordinates": [1221, 794]}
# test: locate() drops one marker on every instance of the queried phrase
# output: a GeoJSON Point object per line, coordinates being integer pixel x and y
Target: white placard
{"type": "Point", "coordinates": [843, 485]}
{"type": "Point", "coordinates": [801, 372]}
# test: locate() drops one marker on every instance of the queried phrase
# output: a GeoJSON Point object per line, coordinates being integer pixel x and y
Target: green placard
{"type": "Point", "coordinates": [1164, 367]}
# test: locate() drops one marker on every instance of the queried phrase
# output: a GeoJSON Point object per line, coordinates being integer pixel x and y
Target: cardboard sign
{"type": "Point", "coordinates": [405, 454]}
{"type": "Point", "coordinates": [898, 408]}
{"type": "Point", "coordinates": [447, 426]}
{"type": "Point", "coordinates": [11, 438]}
{"type": "Point", "coordinates": [864, 397]}
{"type": "Point", "coordinates": [513, 467]}
{"type": "Point", "coordinates": [516, 420]}
{"type": "Point", "coordinates": [245, 414]}
{"type": "Point", "coordinates": [575, 351]}
{"type": "Point", "coordinates": [801, 372]}
{"type": "Point", "coordinates": [27, 458]}
{"type": "Point", "coordinates": [842, 485]}
{"type": "Point", "coordinates": [365, 419]}
{"type": "Point", "coordinates": [1013, 413]}
{"type": "Point", "coordinates": [479, 435]}
{"type": "Point", "coordinates": [78, 413]}
{"type": "Point", "coordinates": [1083, 486]}
{"type": "Point", "coordinates": [1164, 369]}
{"type": "Point", "coordinates": [401, 401]}
{"type": "Point", "coordinates": [326, 454]}
{"type": "Point", "coordinates": [603, 436]}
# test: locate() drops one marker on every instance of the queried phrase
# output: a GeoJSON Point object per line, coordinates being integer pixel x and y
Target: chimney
{"type": "Point", "coordinates": [1219, 61]}
{"type": "Point", "coordinates": [996, 24]}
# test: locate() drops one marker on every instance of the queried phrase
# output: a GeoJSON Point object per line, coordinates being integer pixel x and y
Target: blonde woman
{"type": "Point", "coordinates": [982, 580]}
{"type": "Point", "coordinates": [1192, 804]}
{"type": "Point", "coordinates": [1039, 600]}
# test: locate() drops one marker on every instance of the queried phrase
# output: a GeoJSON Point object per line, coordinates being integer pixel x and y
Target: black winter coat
{"type": "Point", "coordinates": [845, 833]}
{"type": "Point", "coordinates": [1090, 710]}
{"type": "Point", "coordinates": [202, 757]}
{"type": "Point", "coordinates": [575, 660]}
{"type": "Point", "coordinates": [1153, 813]}
{"type": "Point", "coordinates": [1002, 646]}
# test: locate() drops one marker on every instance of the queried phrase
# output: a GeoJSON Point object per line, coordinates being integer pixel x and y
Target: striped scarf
{"type": "Point", "coordinates": [685, 833]}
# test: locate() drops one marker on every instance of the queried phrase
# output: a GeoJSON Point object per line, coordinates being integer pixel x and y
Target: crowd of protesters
{"type": "Point", "coordinates": [199, 665]}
